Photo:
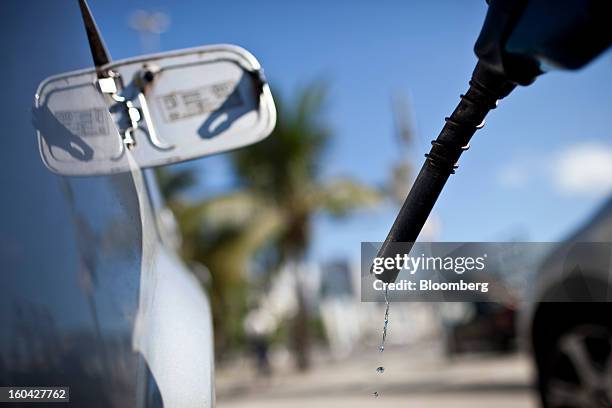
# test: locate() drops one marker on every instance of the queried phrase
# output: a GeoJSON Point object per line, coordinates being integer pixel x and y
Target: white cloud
{"type": "Point", "coordinates": [584, 168]}
{"type": "Point", "coordinates": [513, 175]}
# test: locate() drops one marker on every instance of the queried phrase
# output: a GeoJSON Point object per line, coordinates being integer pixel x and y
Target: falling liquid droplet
{"type": "Point", "coordinates": [381, 347]}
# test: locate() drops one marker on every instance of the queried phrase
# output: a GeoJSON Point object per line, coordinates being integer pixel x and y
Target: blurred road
{"type": "Point", "coordinates": [412, 378]}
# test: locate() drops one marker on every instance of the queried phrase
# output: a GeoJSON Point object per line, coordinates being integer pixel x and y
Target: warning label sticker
{"type": "Point", "coordinates": [85, 123]}
{"type": "Point", "coordinates": [193, 102]}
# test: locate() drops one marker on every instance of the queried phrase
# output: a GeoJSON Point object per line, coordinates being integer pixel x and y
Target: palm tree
{"type": "Point", "coordinates": [280, 189]}
{"type": "Point", "coordinates": [224, 233]}
{"type": "Point", "coordinates": [173, 182]}
{"type": "Point", "coordinates": [284, 171]}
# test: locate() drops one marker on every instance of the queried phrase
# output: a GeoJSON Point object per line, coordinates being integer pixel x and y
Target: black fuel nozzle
{"type": "Point", "coordinates": [518, 39]}
{"type": "Point", "coordinates": [486, 88]}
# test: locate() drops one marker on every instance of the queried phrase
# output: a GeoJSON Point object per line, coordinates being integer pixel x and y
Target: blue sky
{"type": "Point", "coordinates": [538, 169]}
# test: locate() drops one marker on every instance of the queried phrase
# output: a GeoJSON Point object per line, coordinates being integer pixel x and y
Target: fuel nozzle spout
{"type": "Point", "coordinates": [486, 88]}
{"type": "Point", "coordinates": [518, 40]}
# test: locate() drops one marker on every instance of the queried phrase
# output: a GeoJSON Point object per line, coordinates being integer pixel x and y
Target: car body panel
{"type": "Point", "coordinates": [90, 293]}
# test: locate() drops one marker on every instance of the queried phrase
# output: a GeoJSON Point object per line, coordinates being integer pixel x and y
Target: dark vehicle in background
{"type": "Point", "coordinates": [571, 319]}
{"type": "Point", "coordinates": [482, 327]}
{"type": "Point", "coordinates": [94, 296]}
{"type": "Point", "coordinates": [488, 323]}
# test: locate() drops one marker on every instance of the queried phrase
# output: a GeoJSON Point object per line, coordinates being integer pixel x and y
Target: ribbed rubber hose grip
{"type": "Point", "coordinates": [486, 88]}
